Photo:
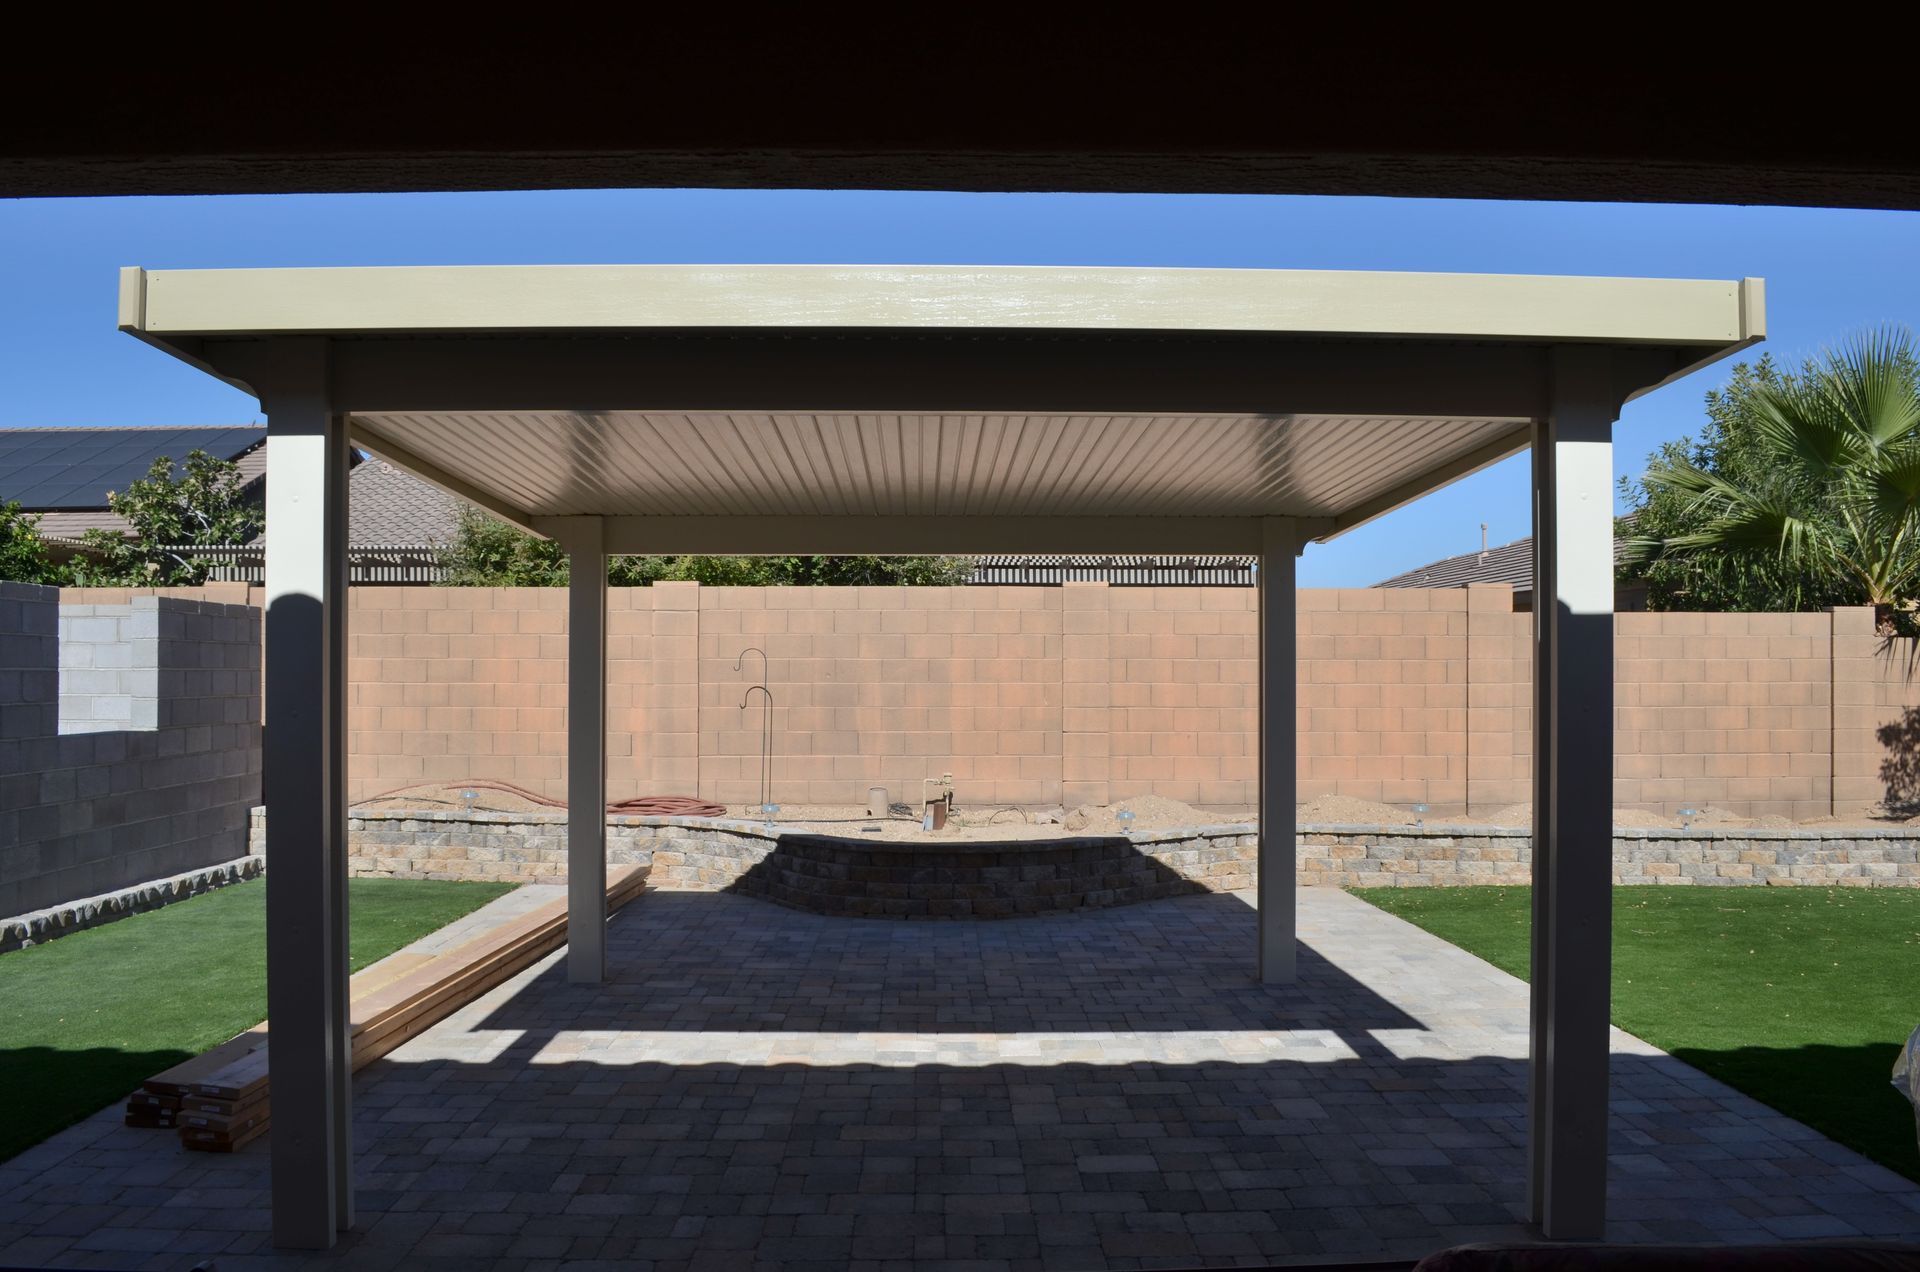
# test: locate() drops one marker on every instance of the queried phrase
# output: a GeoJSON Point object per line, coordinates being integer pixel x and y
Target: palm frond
{"type": "Point", "coordinates": [1749, 523]}
{"type": "Point", "coordinates": [1892, 487]}
{"type": "Point", "coordinates": [1640, 549]}
{"type": "Point", "coordinates": [1870, 381]}
{"type": "Point", "coordinates": [1807, 429]}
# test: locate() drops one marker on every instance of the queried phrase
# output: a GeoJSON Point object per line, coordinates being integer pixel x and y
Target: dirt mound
{"type": "Point", "coordinates": [1150, 812]}
{"type": "Point", "coordinates": [1641, 817]}
{"type": "Point", "coordinates": [1346, 810]}
{"type": "Point", "coordinates": [1511, 815]}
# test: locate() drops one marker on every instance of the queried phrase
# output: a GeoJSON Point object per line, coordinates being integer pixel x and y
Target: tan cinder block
{"type": "Point", "coordinates": [1781, 711]}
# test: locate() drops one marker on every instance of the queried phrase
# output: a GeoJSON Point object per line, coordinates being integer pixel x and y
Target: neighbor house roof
{"type": "Point", "coordinates": [1510, 563]}
{"type": "Point", "coordinates": [65, 474]}
{"type": "Point", "coordinates": [389, 507]}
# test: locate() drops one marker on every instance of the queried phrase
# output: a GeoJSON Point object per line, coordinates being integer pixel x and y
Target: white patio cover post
{"type": "Point", "coordinates": [304, 780]}
{"type": "Point", "coordinates": [1274, 877]}
{"type": "Point", "coordinates": [584, 538]}
{"type": "Point", "coordinates": [1572, 794]}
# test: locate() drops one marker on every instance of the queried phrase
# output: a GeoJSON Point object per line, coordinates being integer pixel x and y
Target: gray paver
{"type": "Point", "coordinates": [1106, 1089]}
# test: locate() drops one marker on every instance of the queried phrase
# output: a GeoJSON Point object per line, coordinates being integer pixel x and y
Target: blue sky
{"type": "Point", "coordinates": [1829, 273]}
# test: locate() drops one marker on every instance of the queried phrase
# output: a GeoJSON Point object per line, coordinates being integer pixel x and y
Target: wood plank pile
{"type": "Point", "coordinates": [218, 1101]}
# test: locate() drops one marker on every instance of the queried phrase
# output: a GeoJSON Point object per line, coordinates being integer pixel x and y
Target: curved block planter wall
{"type": "Point", "coordinates": [832, 875]}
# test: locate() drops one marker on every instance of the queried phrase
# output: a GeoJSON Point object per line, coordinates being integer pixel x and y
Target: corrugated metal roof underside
{"type": "Point", "coordinates": [728, 464]}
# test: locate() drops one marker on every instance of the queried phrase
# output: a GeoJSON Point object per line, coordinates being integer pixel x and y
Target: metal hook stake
{"type": "Point", "coordinates": [766, 741]}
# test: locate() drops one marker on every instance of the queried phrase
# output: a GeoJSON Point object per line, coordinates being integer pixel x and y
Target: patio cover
{"type": "Point", "coordinates": [860, 409]}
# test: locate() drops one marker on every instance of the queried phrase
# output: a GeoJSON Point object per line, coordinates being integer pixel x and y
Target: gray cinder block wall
{"type": "Point", "coordinates": [113, 773]}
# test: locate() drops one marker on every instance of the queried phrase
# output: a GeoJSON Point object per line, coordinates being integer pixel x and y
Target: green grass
{"type": "Point", "coordinates": [89, 1017]}
{"type": "Point", "coordinates": [1799, 997]}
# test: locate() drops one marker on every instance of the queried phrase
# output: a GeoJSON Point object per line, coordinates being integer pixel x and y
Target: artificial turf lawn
{"type": "Point", "coordinates": [1799, 997]}
{"type": "Point", "coordinates": [89, 1017]}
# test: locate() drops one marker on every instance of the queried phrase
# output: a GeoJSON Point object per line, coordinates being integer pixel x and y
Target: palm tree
{"type": "Point", "coordinates": [1840, 493]}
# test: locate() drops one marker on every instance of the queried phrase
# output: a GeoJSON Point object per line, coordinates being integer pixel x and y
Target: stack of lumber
{"type": "Point", "coordinates": [218, 1101]}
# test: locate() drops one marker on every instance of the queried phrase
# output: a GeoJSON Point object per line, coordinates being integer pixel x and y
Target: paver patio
{"type": "Point", "coordinates": [760, 1087]}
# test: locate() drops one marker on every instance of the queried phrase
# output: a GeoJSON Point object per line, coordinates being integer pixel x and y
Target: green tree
{"type": "Point", "coordinates": [23, 556]}
{"type": "Point", "coordinates": [1802, 491]}
{"type": "Point", "coordinates": [171, 513]}
{"type": "Point", "coordinates": [487, 552]}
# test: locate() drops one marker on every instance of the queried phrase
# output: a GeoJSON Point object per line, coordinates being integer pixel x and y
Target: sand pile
{"type": "Point", "coordinates": [1346, 810]}
{"type": "Point", "coordinates": [1150, 812]}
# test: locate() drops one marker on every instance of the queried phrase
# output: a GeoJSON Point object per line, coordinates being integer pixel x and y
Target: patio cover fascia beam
{"type": "Point", "coordinates": [929, 535]}
{"type": "Point", "coordinates": [496, 299]}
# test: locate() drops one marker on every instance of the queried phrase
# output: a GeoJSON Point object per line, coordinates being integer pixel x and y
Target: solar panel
{"type": "Point", "coordinates": [48, 469]}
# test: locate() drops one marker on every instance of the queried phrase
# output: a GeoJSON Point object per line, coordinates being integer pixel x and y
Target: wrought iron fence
{"type": "Point", "coordinates": [1121, 571]}
{"type": "Point", "coordinates": [397, 563]}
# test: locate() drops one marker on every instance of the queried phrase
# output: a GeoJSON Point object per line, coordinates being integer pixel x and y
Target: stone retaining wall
{"type": "Point", "coordinates": [1410, 856]}
{"type": "Point", "coordinates": [710, 854]}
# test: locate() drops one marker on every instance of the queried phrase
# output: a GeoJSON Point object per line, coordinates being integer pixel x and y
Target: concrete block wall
{"type": "Point", "coordinates": [874, 686]}
{"type": "Point", "coordinates": [1734, 709]}
{"type": "Point", "coordinates": [87, 812]}
{"type": "Point", "coordinates": [450, 683]}
{"type": "Point", "coordinates": [110, 666]}
{"type": "Point", "coordinates": [1089, 694]}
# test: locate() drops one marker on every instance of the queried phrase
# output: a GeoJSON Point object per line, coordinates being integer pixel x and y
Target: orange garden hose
{"type": "Point", "coordinates": [635, 806]}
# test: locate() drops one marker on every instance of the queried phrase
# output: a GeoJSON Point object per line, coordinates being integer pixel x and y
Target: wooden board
{"type": "Point", "coordinates": [393, 1001]}
{"type": "Point", "coordinates": [179, 1080]}
{"type": "Point", "coordinates": [152, 1120]}
{"type": "Point", "coordinates": [227, 1124]}
{"type": "Point", "coordinates": [239, 1081]}
{"type": "Point", "coordinates": [211, 1104]}
{"type": "Point", "coordinates": [207, 1142]}
{"type": "Point", "coordinates": [386, 971]}
{"type": "Point", "coordinates": [152, 1100]}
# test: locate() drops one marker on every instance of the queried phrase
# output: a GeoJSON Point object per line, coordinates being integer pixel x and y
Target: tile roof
{"type": "Point", "coordinates": [1509, 563]}
{"type": "Point", "coordinates": [387, 507]}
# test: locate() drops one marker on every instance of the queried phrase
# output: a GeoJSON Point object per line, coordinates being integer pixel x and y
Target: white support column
{"type": "Point", "coordinates": [1274, 879]}
{"type": "Point", "coordinates": [585, 542]}
{"type": "Point", "coordinates": [304, 776]}
{"type": "Point", "coordinates": [339, 465]}
{"type": "Point", "coordinates": [1573, 797]}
